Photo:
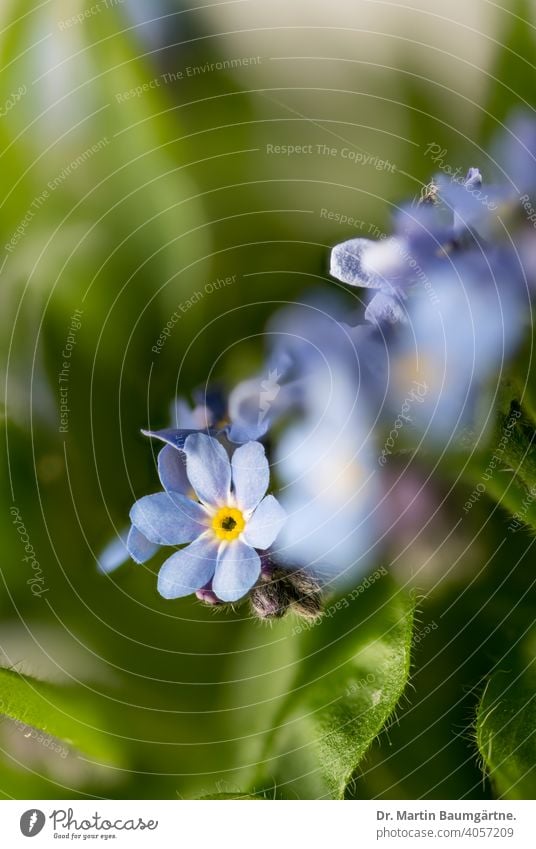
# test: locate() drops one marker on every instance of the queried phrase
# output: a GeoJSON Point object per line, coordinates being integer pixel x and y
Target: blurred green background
{"type": "Point", "coordinates": [139, 162]}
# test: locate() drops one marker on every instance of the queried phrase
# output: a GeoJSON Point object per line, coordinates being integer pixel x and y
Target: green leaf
{"type": "Point", "coordinates": [61, 712]}
{"type": "Point", "coordinates": [506, 731]}
{"type": "Point", "coordinates": [354, 667]}
{"type": "Point", "coordinates": [505, 470]}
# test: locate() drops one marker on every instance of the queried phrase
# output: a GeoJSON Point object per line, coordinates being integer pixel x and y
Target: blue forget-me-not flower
{"type": "Point", "coordinates": [223, 521]}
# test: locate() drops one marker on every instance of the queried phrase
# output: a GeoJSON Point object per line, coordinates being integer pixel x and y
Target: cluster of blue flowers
{"type": "Point", "coordinates": [416, 366]}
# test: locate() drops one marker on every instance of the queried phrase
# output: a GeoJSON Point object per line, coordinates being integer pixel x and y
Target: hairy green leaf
{"type": "Point", "coordinates": [506, 731]}
{"type": "Point", "coordinates": [354, 669]}
{"type": "Point", "coordinates": [61, 712]}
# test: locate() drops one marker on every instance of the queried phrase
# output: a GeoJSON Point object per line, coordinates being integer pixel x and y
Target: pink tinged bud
{"type": "Point", "coordinates": [208, 596]}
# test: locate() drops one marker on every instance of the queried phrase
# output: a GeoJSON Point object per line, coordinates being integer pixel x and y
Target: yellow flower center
{"type": "Point", "coordinates": [228, 523]}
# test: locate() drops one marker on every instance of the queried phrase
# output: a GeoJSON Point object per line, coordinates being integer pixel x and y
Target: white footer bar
{"type": "Point", "coordinates": [269, 824]}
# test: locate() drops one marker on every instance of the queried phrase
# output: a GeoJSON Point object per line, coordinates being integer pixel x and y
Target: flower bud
{"type": "Point", "coordinates": [208, 596]}
{"type": "Point", "coordinates": [270, 598]}
{"type": "Point", "coordinates": [280, 590]}
{"type": "Point", "coordinates": [306, 595]}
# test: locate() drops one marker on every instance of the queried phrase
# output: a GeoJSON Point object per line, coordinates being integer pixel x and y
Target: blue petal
{"type": "Point", "coordinates": [237, 569]}
{"type": "Point", "coordinates": [115, 554]}
{"type": "Point", "coordinates": [188, 570]}
{"type": "Point", "coordinates": [251, 474]}
{"type": "Point", "coordinates": [474, 208]}
{"type": "Point", "coordinates": [240, 432]}
{"type": "Point", "coordinates": [168, 518]}
{"type": "Point", "coordinates": [255, 403]}
{"type": "Point", "coordinates": [473, 179]}
{"type": "Point", "coordinates": [172, 470]}
{"type": "Point", "coordinates": [139, 547]}
{"type": "Point", "coordinates": [183, 415]}
{"type": "Point", "coordinates": [208, 469]}
{"type": "Point", "coordinates": [385, 309]}
{"type": "Point", "coordinates": [347, 264]}
{"type": "Point", "coordinates": [265, 524]}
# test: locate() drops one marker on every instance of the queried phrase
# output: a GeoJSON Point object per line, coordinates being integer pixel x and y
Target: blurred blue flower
{"type": "Point", "coordinates": [222, 523]}
{"type": "Point", "coordinates": [456, 219]}
{"type": "Point", "coordinates": [245, 417]}
{"type": "Point", "coordinates": [514, 152]}
{"type": "Point", "coordinates": [330, 492]}
{"type": "Point", "coordinates": [393, 266]}
{"type": "Point", "coordinates": [257, 403]}
{"type": "Point", "coordinates": [207, 412]}
{"type": "Point", "coordinates": [454, 344]}
{"type": "Point", "coordinates": [296, 337]}
{"type": "Point", "coordinates": [207, 415]}
{"type": "Point", "coordinates": [451, 304]}
{"type": "Point", "coordinates": [326, 456]}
